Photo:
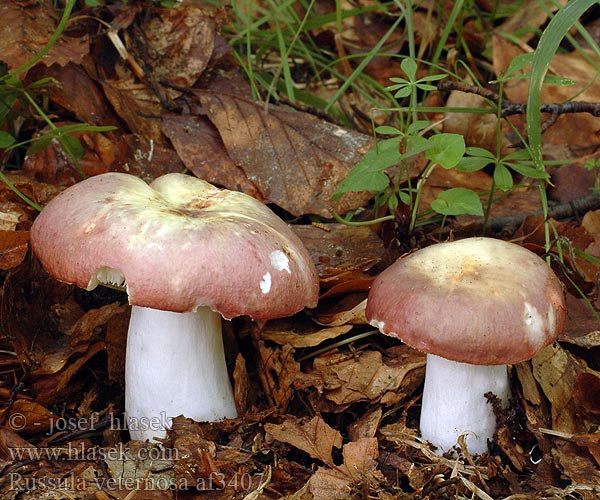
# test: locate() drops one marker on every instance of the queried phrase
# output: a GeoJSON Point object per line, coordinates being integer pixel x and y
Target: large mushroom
{"type": "Point", "coordinates": [187, 253]}
{"type": "Point", "coordinates": [474, 305]}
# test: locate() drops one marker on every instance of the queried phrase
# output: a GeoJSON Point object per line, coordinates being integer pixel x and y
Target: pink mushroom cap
{"type": "Point", "coordinates": [178, 243]}
{"type": "Point", "coordinates": [481, 301]}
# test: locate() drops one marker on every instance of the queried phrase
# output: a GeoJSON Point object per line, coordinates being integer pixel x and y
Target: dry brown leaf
{"type": "Point", "coordinates": [575, 465]}
{"type": "Point", "coordinates": [202, 151]}
{"type": "Point", "coordinates": [47, 387]}
{"type": "Point", "coordinates": [13, 246]}
{"type": "Point", "coordinates": [366, 426]}
{"type": "Point", "coordinates": [531, 14]}
{"type": "Point", "coordinates": [341, 252]}
{"type": "Point", "coordinates": [29, 417]}
{"type": "Point", "coordinates": [556, 370]}
{"type": "Point", "coordinates": [314, 437]}
{"type": "Point", "coordinates": [76, 92]}
{"type": "Point", "coordinates": [365, 377]}
{"type": "Point", "coordinates": [586, 392]}
{"type": "Point", "coordinates": [138, 106]}
{"type": "Point", "coordinates": [10, 440]}
{"type": "Point", "coordinates": [300, 335]}
{"type": "Point", "coordinates": [178, 43]}
{"type": "Point", "coordinates": [116, 342]}
{"type": "Point", "coordinates": [479, 130]}
{"type": "Point", "coordinates": [278, 369]}
{"type": "Point", "coordinates": [241, 384]}
{"type": "Point", "coordinates": [25, 30]}
{"type": "Point", "coordinates": [295, 159]}
{"type": "Point", "coordinates": [360, 462]}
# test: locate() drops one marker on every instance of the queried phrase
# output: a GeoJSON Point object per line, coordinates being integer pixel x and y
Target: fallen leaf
{"type": "Point", "coordinates": [556, 370]}
{"type": "Point", "coordinates": [341, 252]}
{"type": "Point", "coordinates": [13, 246]}
{"type": "Point", "coordinates": [366, 426]}
{"type": "Point", "coordinates": [138, 106]}
{"type": "Point", "coordinates": [365, 377]}
{"type": "Point", "coordinates": [278, 369]}
{"type": "Point", "coordinates": [314, 437]}
{"type": "Point", "coordinates": [586, 392]}
{"type": "Point", "coordinates": [202, 151]}
{"type": "Point", "coordinates": [29, 417]}
{"type": "Point", "coordinates": [89, 106]}
{"type": "Point", "coordinates": [359, 466]}
{"type": "Point", "coordinates": [241, 384]}
{"type": "Point", "coordinates": [295, 159]}
{"type": "Point", "coordinates": [177, 43]}
{"type": "Point", "coordinates": [27, 28]}
{"type": "Point", "coordinates": [298, 335]}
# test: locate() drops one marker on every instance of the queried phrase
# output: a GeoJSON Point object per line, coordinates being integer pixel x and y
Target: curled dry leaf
{"type": "Point", "coordinates": [241, 384]}
{"type": "Point", "coordinates": [177, 43]}
{"type": "Point", "coordinates": [278, 370]}
{"type": "Point", "coordinates": [27, 28]}
{"type": "Point", "coordinates": [13, 246]}
{"type": "Point", "coordinates": [137, 105]}
{"type": "Point", "coordinates": [586, 392]}
{"type": "Point", "coordinates": [366, 377]}
{"type": "Point", "coordinates": [556, 370]}
{"type": "Point", "coordinates": [89, 106]}
{"type": "Point", "coordinates": [341, 253]}
{"type": "Point", "coordinates": [202, 151]}
{"type": "Point", "coordinates": [359, 467]}
{"type": "Point", "coordinates": [29, 417]}
{"type": "Point", "coordinates": [300, 335]}
{"type": "Point", "coordinates": [314, 437]}
{"type": "Point", "coordinates": [295, 159]}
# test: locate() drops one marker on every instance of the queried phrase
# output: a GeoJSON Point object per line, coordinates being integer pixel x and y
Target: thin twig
{"type": "Point", "coordinates": [513, 108]}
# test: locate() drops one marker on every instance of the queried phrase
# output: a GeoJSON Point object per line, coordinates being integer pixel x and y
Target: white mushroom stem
{"type": "Point", "coordinates": [175, 365]}
{"type": "Point", "coordinates": [454, 403]}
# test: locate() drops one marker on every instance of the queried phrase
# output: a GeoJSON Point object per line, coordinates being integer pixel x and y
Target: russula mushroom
{"type": "Point", "coordinates": [187, 253]}
{"type": "Point", "coordinates": [474, 306]}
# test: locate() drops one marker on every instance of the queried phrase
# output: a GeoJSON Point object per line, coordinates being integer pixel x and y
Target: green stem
{"type": "Point", "coordinates": [14, 189]}
{"type": "Point", "coordinates": [53, 39]}
{"type": "Point", "coordinates": [419, 190]}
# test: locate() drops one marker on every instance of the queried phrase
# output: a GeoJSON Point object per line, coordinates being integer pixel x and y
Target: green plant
{"type": "Point", "coordinates": [274, 43]}
{"type": "Point", "coordinates": [440, 149]}
{"type": "Point", "coordinates": [15, 95]}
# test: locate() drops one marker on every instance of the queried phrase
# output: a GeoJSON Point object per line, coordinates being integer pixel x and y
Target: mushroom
{"type": "Point", "coordinates": [474, 306]}
{"type": "Point", "coordinates": [187, 253]}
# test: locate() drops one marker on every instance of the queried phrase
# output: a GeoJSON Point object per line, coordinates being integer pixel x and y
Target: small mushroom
{"type": "Point", "coordinates": [474, 306]}
{"type": "Point", "coordinates": [187, 253]}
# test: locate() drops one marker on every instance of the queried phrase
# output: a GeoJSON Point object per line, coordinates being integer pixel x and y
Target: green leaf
{"type": "Point", "coordinates": [431, 78]}
{"type": "Point", "coordinates": [558, 80]}
{"type": "Point", "coordinates": [473, 163]}
{"type": "Point", "coordinates": [6, 140]}
{"type": "Point", "coordinates": [457, 201]}
{"type": "Point", "coordinates": [527, 171]}
{"type": "Point", "coordinates": [387, 130]}
{"type": "Point", "coordinates": [409, 66]}
{"type": "Point", "coordinates": [404, 197]}
{"type": "Point", "coordinates": [361, 180]}
{"type": "Point", "coordinates": [475, 151]}
{"type": "Point", "coordinates": [416, 127]}
{"type": "Point", "coordinates": [503, 177]}
{"type": "Point", "coordinates": [518, 63]}
{"type": "Point", "coordinates": [39, 144]}
{"type": "Point", "coordinates": [72, 146]}
{"type": "Point", "coordinates": [404, 92]}
{"type": "Point", "coordinates": [425, 86]}
{"type": "Point", "coordinates": [367, 174]}
{"type": "Point", "coordinates": [446, 149]}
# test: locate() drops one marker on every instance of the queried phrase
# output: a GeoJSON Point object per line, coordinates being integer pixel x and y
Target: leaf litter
{"type": "Point", "coordinates": [329, 407]}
